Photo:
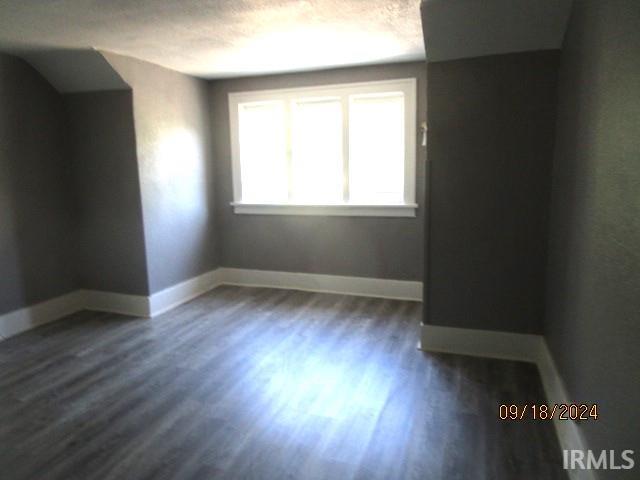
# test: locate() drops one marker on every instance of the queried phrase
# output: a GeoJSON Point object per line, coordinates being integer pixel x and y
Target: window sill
{"type": "Point", "coordinates": [339, 210]}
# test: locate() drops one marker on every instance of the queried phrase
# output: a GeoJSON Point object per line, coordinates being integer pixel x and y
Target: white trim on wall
{"type": "Point", "coordinates": [134, 305]}
{"type": "Point", "coordinates": [519, 347]}
{"type": "Point", "coordinates": [480, 343]}
{"type": "Point", "coordinates": [24, 319]}
{"type": "Point", "coordinates": [569, 434]}
{"type": "Point", "coordinates": [341, 210]}
{"type": "Point", "coordinates": [313, 282]}
{"type": "Point", "coordinates": [170, 298]}
{"type": "Point", "coordinates": [142, 306]}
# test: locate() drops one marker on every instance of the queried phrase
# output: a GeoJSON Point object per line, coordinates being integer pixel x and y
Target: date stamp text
{"type": "Point", "coordinates": [560, 411]}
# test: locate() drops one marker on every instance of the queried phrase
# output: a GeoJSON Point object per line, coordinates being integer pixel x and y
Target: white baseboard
{"type": "Point", "coordinates": [155, 304]}
{"type": "Point", "coordinates": [569, 434]}
{"type": "Point", "coordinates": [171, 297]}
{"type": "Point", "coordinates": [480, 343]}
{"type": "Point", "coordinates": [513, 346]}
{"type": "Point", "coordinates": [134, 305]}
{"type": "Point", "coordinates": [360, 286]}
{"type": "Point", "coordinates": [24, 319]}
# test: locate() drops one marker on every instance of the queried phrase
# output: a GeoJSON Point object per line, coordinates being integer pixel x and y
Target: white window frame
{"type": "Point", "coordinates": [406, 209]}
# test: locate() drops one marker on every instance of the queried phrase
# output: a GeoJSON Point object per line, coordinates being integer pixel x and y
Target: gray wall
{"type": "Point", "coordinates": [173, 135]}
{"type": "Point", "coordinates": [358, 246]}
{"type": "Point", "coordinates": [593, 309]}
{"type": "Point", "coordinates": [107, 204]}
{"type": "Point", "coordinates": [75, 71]}
{"type": "Point", "coordinates": [35, 223]}
{"type": "Point", "coordinates": [490, 142]}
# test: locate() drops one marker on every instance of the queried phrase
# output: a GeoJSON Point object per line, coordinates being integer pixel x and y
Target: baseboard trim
{"type": "Point", "coordinates": [569, 434]}
{"type": "Point", "coordinates": [158, 303]}
{"type": "Point", "coordinates": [133, 305]}
{"type": "Point", "coordinates": [312, 282]}
{"type": "Point", "coordinates": [519, 347]}
{"type": "Point", "coordinates": [24, 319]}
{"type": "Point", "coordinates": [480, 343]}
{"type": "Point", "coordinates": [171, 297]}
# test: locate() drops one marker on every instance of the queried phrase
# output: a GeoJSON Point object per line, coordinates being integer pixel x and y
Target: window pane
{"type": "Point", "coordinates": [317, 151]}
{"type": "Point", "coordinates": [376, 148]}
{"type": "Point", "coordinates": [263, 159]}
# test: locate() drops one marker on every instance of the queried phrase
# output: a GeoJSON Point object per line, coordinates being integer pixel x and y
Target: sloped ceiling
{"type": "Point", "coordinates": [226, 38]}
{"type": "Point", "coordinates": [473, 28]}
{"type": "Point", "coordinates": [76, 70]}
{"type": "Point", "coordinates": [221, 38]}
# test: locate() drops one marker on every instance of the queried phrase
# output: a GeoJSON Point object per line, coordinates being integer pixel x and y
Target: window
{"type": "Point", "coordinates": [336, 150]}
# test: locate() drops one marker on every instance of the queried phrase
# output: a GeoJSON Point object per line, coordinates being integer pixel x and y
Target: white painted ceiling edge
{"type": "Point", "coordinates": [455, 29]}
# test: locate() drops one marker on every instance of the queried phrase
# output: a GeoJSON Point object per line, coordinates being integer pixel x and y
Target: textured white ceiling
{"type": "Point", "coordinates": [221, 38]}
{"type": "Point", "coordinates": [474, 28]}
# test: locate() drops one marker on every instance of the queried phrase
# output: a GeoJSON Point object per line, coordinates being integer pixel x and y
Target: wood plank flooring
{"type": "Point", "coordinates": [246, 383]}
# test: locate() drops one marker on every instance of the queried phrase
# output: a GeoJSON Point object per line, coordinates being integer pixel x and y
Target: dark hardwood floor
{"type": "Point", "coordinates": [261, 383]}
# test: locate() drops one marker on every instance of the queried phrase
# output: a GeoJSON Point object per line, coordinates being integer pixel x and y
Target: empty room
{"type": "Point", "coordinates": [320, 239]}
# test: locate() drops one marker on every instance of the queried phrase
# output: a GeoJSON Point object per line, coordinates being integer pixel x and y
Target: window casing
{"type": "Point", "coordinates": [344, 149]}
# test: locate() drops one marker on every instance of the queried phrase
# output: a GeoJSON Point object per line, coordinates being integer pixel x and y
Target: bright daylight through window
{"type": "Point", "coordinates": [334, 150]}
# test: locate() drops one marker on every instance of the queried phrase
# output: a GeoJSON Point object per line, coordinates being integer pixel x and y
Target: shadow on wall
{"type": "Point", "coordinates": [74, 70]}
{"type": "Point", "coordinates": [174, 158]}
{"type": "Point", "coordinates": [575, 193]}
{"type": "Point", "coordinates": [109, 234]}
{"type": "Point", "coordinates": [12, 281]}
{"type": "Point", "coordinates": [36, 233]}
{"type": "Point", "coordinates": [75, 167]}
